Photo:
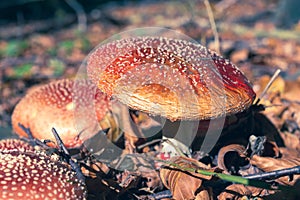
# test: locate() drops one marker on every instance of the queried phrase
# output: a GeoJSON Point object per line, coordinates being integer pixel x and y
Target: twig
{"type": "Point", "coordinates": [275, 174]}
{"type": "Point", "coordinates": [81, 16]}
{"type": "Point", "coordinates": [149, 143]}
{"type": "Point", "coordinates": [275, 75]}
{"type": "Point", "coordinates": [213, 25]}
{"type": "Point", "coordinates": [191, 6]}
{"type": "Point", "coordinates": [161, 195]}
{"type": "Point", "coordinates": [225, 177]}
{"type": "Point", "coordinates": [67, 157]}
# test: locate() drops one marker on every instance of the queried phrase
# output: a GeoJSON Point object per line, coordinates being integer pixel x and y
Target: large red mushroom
{"type": "Point", "coordinates": [173, 78]}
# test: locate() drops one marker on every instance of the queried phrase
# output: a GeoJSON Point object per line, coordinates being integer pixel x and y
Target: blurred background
{"type": "Point", "coordinates": [44, 40]}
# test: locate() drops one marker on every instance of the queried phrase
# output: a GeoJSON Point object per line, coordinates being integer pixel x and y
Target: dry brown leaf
{"type": "Point", "coordinates": [269, 164]}
{"type": "Point", "coordinates": [292, 90]}
{"type": "Point", "coordinates": [288, 152]}
{"type": "Point", "coordinates": [291, 141]}
{"type": "Point", "coordinates": [242, 192]}
{"type": "Point", "coordinates": [230, 156]}
{"type": "Point", "coordinates": [204, 195]}
{"type": "Point", "coordinates": [185, 185]}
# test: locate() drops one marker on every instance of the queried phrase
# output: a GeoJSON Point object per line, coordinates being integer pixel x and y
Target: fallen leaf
{"type": "Point", "coordinates": [183, 184]}
{"type": "Point", "coordinates": [231, 156]}
{"type": "Point", "coordinates": [242, 192]}
{"type": "Point", "coordinates": [291, 141]}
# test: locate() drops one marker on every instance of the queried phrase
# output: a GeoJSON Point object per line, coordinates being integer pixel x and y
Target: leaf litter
{"type": "Point", "coordinates": [147, 172]}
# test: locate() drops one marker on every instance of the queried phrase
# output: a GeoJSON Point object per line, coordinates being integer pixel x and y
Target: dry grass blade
{"type": "Point", "coordinates": [213, 25]}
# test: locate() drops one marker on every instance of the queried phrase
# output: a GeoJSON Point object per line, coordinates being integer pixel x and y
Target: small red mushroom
{"type": "Point", "coordinates": [173, 78]}
{"type": "Point", "coordinates": [73, 108]}
{"type": "Point", "coordinates": [28, 175]}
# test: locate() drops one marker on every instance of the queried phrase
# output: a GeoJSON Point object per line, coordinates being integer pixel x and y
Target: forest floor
{"type": "Point", "coordinates": [42, 51]}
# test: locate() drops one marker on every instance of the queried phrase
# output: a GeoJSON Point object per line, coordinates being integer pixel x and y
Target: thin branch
{"type": "Point", "coordinates": [67, 157]}
{"type": "Point", "coordinates": [213, 25]}
{"type": "Point", "coordinates": [275, 75]}
{"type": "Point", "coordinates": [149, 143]}
{"type": "Point", "coordinates": [275, 174]}
{"type": "Point", "coordinates": [161, 195]}
{"type": "Point", "coordinates": [81, 16]}
{"type": "Point", "coordinates": [225, 177]}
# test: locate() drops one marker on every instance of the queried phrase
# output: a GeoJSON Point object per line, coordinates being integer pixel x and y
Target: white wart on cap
{"type": "Point", "coordinates": [15, 145]}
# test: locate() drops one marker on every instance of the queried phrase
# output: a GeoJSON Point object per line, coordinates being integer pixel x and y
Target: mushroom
{"type": "Point", "coordinates": [73, 108]}
{"type": "Point", "coordinates": [27, 175]}
{"type": "Point", "coordinates": [172, 78]}
{"type": "Point", "coordinates": [15, 144]}
{"type": "Point", "coordinates": [190, 88]}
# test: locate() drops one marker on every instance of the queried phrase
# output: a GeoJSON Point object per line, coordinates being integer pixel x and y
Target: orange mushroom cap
{"type": "Point", "coordinates": [73, 108]}
{"type": "Point", "coordinates": [173, 78]}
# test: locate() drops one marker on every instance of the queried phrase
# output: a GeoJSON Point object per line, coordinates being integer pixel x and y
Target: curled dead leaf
{"type": "Point", "coordinates": [231, 157]}
{"type": "Point", "coordinates": [269, 164]}
{"type": "Point", "coordinates": [242, 192]}
{"type": "Point", "coordinates": [184, 184]}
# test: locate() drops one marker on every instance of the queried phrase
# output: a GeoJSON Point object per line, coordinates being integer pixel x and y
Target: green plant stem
{"type": "Point", "coordinates": [229, 178]}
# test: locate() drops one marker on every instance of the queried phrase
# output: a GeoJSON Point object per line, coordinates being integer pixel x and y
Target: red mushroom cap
{"type": "Point", "coordinates": [71, 107]}
{"type": "Point", "coordinates": [26, 175]}
{"type": "Point", "coordinates": [173, 78]}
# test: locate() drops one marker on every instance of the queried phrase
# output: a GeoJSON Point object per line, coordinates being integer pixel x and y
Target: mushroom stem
{"type": "Point", "coordinates": [132, 133]}
{"type": "Point", "coordinates": [66, 155]}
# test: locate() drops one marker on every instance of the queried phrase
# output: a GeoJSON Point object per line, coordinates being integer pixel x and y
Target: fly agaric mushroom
{"type": "Point", "coordinates": [71, 107]}
{"type": "Point", "coordinates": [172, 78]}
{"type": "Point", "coordinates": [27, 175]}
